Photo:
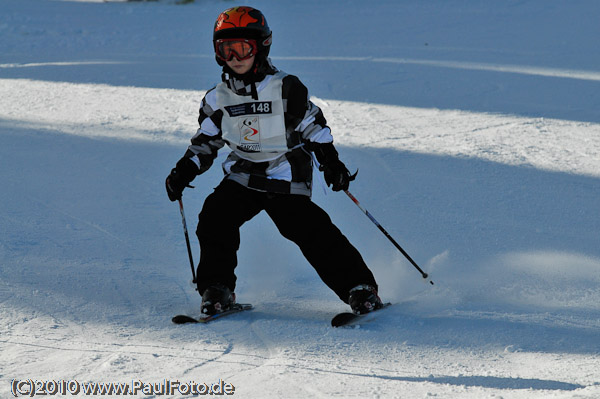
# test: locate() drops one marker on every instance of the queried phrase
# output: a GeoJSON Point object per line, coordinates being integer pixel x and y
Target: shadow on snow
{"type": "Point", "coordinates": [90, 232]}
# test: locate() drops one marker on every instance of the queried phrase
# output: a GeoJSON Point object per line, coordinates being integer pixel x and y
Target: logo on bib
{"type": "Point", "coordinates": [250, 134]}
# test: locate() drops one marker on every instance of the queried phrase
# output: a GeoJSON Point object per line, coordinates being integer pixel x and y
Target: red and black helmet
{"type": "Point", "coordinates": [243, 23]}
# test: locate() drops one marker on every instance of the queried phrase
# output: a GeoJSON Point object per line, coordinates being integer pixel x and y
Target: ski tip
{"type": "Point", "coordinates": [183, 319]}
{"type": "Point", "coordinates": [342, 319]}
{"type": "Point", "coordinates": [348, 318]}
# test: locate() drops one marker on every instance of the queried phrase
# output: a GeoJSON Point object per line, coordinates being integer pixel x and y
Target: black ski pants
{"type": "Point", "coordinates": [298, 219]}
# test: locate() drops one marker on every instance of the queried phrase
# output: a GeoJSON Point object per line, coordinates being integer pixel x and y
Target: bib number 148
{"type": "Point", "coordinates": [261, 107]}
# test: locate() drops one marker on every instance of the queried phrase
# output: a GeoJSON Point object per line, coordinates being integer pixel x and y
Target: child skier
{"type": "Point", "coordinates": [266, 118]}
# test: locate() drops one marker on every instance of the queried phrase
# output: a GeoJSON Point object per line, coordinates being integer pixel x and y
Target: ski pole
{"type": "Point", "coordinates": [389, 237]}
{"type": "Point", "coordinates": [187, 240]}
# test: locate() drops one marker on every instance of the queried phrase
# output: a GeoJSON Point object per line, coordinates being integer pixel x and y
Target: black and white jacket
{"type": "Point", "coordinates": [271, 133]}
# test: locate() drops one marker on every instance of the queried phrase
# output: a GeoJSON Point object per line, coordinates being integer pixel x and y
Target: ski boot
{"type": "Point", "coordinates": [364, 299]}
{"type": "Point", "coordinates": [216, 299]}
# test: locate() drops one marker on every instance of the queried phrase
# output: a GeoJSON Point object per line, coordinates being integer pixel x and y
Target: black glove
{"type": "Point", "coordinates": [337, 175]}
{"type": "Point", "coordinates": [335, 172]}
{"type": "Point", "coordinates": [180, 177]}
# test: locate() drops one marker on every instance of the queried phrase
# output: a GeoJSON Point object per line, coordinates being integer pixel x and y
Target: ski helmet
{"type": "Point", "coordinates": [243, 23]}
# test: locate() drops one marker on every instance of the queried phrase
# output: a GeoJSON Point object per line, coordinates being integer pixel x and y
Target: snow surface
{"type": "Point", "coordinates": [475, 127]}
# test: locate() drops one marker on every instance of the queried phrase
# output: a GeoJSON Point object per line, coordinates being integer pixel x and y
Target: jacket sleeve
{"type": "Point", "coordinates": [208, 140]}
{"type": "Point", "coordinates": [302, 115]}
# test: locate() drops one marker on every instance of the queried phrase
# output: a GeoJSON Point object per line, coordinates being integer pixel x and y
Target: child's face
{"type": "Point", "coordinates": [240, 67]}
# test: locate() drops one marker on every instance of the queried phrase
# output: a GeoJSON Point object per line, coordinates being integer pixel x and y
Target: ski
{"type": "Point", "coordinates": [236, 308]}
{"type": "Point", "coordinates": [348, 318]}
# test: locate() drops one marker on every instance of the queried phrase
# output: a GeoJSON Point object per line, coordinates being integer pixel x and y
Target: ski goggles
{"type": "Point", "coordinates": [242, 49]}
